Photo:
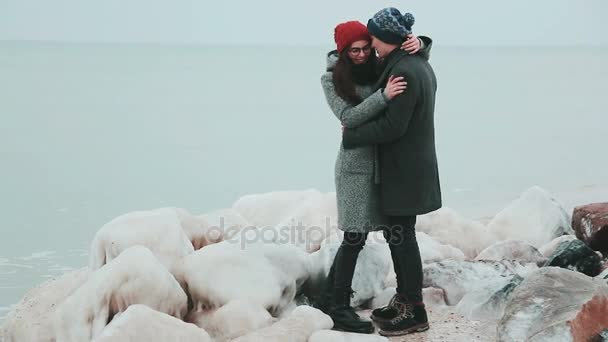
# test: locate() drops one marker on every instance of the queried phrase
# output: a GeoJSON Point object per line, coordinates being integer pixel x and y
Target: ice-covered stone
{"type": "Point", "coordinates": [489, 301]}
{"type": "Point", "coordinates": [575, 255]}
{"type": "Point", "coordinates": [134, 277]}
{"type": "Point", "coordinates": [549, 249]}
{"type": "Point", "coordinates": [265, 275]}
{"type": "Point", "coordinates": [512, 250]}
{"type": "Point", "coordinates": [158, 230]}
{"type": "Point", "coordinates": [535, 217]}
{"type": "Point", "coordinates": [139, 323]}
{"type": "Point", "coordinates": [457, 278]}
{"type": "Point", "coordinates": [543, 305]}
{"type": "Point", "coordinates": [232, 320]}
{"type": "Point", "coordinates": [297, 327]}
{"type": "Point", "coordinates": [32, 318]}
{"type": "Point", "coordinates": [448, 227]}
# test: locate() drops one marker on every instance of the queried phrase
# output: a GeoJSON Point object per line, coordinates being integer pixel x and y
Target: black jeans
{"type": "Point", "coordinates": [401, 238]}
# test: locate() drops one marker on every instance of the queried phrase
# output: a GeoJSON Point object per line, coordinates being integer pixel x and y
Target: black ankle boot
{"type": "Point", "coordinates": [411, 319]}
{"type": "Point", "coordinates": [391, 310]}
{"type": "Point", "coordinates": [344, 316]}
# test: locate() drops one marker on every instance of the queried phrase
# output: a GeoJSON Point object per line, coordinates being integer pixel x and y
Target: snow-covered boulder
{"type": "Point", "coordinates": [32, 319]}
{"type": "Point", "coordinates": [139, 323]}
{"type": "Point", "coordinates": [158, 230]}
{"type": "Point", "coordinates": [198, 230]}
{"type": "Point", "coordinates": [265, 275]}
{"type": "Point", "coordinates": [448, 227]}
{"type": "Point", "coordinates": [575, 255]}
{"type": "Point", "coordinates": [535, 217]}
{"type": "Point", "coordinates": [134, 277]}
{"type": "Point", "coordinates": [457, 278]}
{"type": "Point", "coordinates": [543, 306]}
{"type": "Point", "coordinates": [488, 302]}
{"type": "Point", "coordinates": [232, 320]}
{"type": "Point", "coordinates": [516, 250]}
{"type": "Point", "coordinates": [227, 221]}
{"type": "Point", "coordinates": [549, 249]}
{"type": "Point", "coordinates": [297, 327]}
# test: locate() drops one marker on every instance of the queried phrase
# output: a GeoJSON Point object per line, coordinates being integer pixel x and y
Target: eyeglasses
{"type": "Point", "coordinates": [357, 50]}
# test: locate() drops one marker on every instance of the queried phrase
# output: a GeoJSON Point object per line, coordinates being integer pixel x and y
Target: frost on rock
{"type": "Point", "coordinates": [265, 275]}
{"type": "Point", "coordinates": [448, 227]}
{"type": "Point", "coordinates": [457, 278]}
{"type": "Point", "coordinates": [516, 250]}
{"type": "Point", "coordinates": [32, 318]}
{"type": "Point", "coordinates": [134, 277]}
{"type": "Point", "coordinates": [234, 319]}
{"type": "Point", "coordinates": [542, 306]}
{"type": "Point", "coordinates": [535, 217]}
{"type": "Point", "coordinates": [576, 256]}
{"type": "Point", "coordinates": [142, 228]}
{"type": "Point", "coordinates": [488, 302]}
{"type": "Point", "coordinates": [297, 327]}
{"type": "Point", "coordinates": [139, 323]}
{"type": "Point", "coordinates": [549, 249]}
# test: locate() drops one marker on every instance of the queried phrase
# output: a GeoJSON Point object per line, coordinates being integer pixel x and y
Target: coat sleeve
{"type": "Point", "coordinates": [390, 126]}
{"type": "Point", "coordinates": [352, 116]}
{"type": "Point", "coordinates": [426, 46]}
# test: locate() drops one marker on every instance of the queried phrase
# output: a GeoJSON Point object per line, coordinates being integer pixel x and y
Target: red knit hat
{"type": "Point", "coordinates": [350, 32]}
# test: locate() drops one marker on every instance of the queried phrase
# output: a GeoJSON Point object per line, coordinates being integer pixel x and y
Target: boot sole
{"type": "Point", "coordinates": [380, 321]}
{"type": "Point", "coordinates": [414, 329]}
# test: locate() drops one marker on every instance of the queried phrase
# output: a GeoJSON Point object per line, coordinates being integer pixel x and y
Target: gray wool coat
{"type": "Point", "coordinates": [356, 174]}
{"type": "Point", "coordinates": [357, 170]}
{"type": "Point", "coordinates": [405, 135]}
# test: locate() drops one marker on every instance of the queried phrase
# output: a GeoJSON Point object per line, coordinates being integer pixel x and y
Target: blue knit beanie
{"type": "Point", "coordinates": [390, 26]}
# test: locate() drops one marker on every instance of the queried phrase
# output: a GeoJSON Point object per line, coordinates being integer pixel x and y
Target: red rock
{"type": "Point", "coordinates": [590, 222]}
{"type": "Point", "coordinates": [591, 320]}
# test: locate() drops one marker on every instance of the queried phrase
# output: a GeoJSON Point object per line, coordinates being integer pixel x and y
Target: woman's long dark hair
{"type": "Point", "coordinates": [346, 75]}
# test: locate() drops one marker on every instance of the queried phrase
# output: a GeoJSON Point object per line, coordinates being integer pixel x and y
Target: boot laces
{"type": "Point", "coordinates": [407, 311]}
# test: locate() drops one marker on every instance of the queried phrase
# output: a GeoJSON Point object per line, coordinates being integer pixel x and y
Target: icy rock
{"type": "Point", "coordinates": [576, 256]}
{"type": "Point", "coordinates": [199, 231]}
{"type": "Point", "coordinates": [339, 336]}
{"type": "Point", "coordinates": [142, 228]}
{"type": "Point", "coordinates": [265, 275]}
{"type": "Point", "coordinates": [232, 320]}
{"type": "Point", "coordinates": [543, 305]}
{"type": "Point", "coordinates": [512, 250]}
{"type": "Point", "coordinates": [488, 302]}
{"type": "Point", "coordinates": [134, 277]}
{"type": "Point", "coordinates": [297, 327]}
{"type": "Point", "coordinates": [32, 319]}
{"type": "Point", "coordinates": [448, 227]}
{"type": "Point", "coordinates": [433, 251]}
{"type": "Point", "coordinates": [139, 323]}
{"type": "Point", "coordinates": [590, 222]}
{"type": "Point", "coordinates": [457, 278]}
{"type": "Point", "coordinates": [368, 281]}
{"type": "Point", "coordinates": [228, 221]}
{"type": "Point", "coordinates": [535, 217]}
{"type": "Point", "coordinates": [549, 249]}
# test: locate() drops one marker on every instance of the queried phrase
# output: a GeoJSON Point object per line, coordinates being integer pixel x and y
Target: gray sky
{"type": "Point", "coordinates": [309, 22]}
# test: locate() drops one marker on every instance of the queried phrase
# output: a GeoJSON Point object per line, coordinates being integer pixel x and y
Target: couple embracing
{"type": "Point", "coordinates": [381, 87]}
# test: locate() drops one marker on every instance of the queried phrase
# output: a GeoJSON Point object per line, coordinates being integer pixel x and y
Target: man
{"type": "Point", "coordinates": [409, 175]}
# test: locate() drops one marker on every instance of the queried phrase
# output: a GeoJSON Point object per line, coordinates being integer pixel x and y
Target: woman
{"type": "Point", "coordinates": [349, 86]}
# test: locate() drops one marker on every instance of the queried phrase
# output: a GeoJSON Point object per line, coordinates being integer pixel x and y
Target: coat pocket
{"type": "Point", "coordinates": [357, 160]}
